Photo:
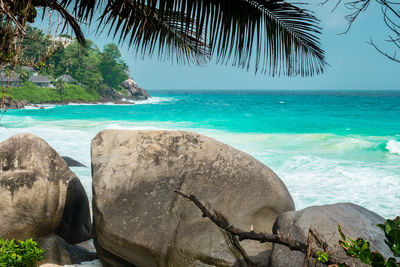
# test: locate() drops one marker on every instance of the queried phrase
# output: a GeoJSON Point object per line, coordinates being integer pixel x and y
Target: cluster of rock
{"type": "Point", "coordinates": [138, 220]}
{"type": "Point", "coordinates": [133, 92]}
{"type": "Point", "coordinates": [9, 103]}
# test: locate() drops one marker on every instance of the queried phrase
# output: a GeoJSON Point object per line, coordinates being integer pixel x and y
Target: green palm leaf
{"type": "Point", "coordinates": [274, 36]}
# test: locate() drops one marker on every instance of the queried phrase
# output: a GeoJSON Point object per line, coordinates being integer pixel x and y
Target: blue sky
{"type": "Point", "coordinates": [354, 64]}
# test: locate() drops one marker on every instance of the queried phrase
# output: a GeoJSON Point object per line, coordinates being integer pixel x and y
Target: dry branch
{"type": "Point", "coordinates": [264, 237]}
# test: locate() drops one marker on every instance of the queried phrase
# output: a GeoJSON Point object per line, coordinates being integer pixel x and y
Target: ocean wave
{"type": "Point", "coordinates": [42, 106]}
{"type": "Point", "coordinates": [150, 100]}
{"type": "Point", "coordinates": [393, 146]}
{"type": "Point", "coordinates": [153, 100]}
{"type": "Point", "coordinates": [116, 126]}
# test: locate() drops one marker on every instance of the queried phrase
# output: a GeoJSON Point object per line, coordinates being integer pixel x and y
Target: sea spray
{"type": "Point", "coordinates": [393, 146]}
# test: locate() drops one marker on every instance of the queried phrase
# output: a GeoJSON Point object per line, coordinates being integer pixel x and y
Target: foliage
{"type": "Point", "coordinates": [91, 67]}
{"type": "Point", "coordinates": [322, 257]}
{"type": "Point", "coordinates": [76, 92]}
{"type": "Point", "coordinates": [391, 228]}
{"type": "Point", "coordinates": [112, 67]}
{"type": "Point", "coordinates": [60, 85]}
{"type": "Point", "coordinates": [360, 248]}
{"type": "Point", "coordinates": [19, 253]}
{"type": "Point", "coordinates": [33, 94]}
{"type": "Point", "coordinates": [282, 37]}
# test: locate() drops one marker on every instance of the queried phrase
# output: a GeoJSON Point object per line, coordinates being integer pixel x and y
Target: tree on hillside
{"type": "Point", "coordinates": [60, 85]}
{"type": "Point", "coordinates": [112, 67]}
{"type": "Point", "coordinates": [274, 37]}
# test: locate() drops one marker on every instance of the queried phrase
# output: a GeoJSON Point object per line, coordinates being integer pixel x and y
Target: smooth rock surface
{"type": "Point", "coordinates": [355, 220]}
{"type": "Point", "coordinates": [138, 219]}
{"type": "Point", "coordinates": [38, 192]}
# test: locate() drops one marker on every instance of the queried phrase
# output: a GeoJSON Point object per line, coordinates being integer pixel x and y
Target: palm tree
{"type": "Point", "coordinates": [60, 85]}
{"type": "Point", "coordinates": [273, 36]}
{"type": "Point", "coordinates": [23, 75]}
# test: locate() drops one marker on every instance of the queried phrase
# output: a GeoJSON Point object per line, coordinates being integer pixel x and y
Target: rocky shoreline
{"type": "Point", "coordinates": [139, 220]}
{"type": "Point", "coordinates": [111, 95]}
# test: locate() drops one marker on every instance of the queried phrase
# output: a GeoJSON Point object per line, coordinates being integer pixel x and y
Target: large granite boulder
{"type": "Point", "coordinates": [39, 194]}
{"type": "Point", "coordinates": [355, 221]}
{"type": "Point", "coordinates": [139, 220]}
{"type": "Point", "coordinates": [134, 91]}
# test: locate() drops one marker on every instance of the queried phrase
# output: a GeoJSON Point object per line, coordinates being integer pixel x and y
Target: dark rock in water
{"type": "Point", "coordinates": [355, 220]}
{"type": "Point", "coordinates": [58, 251]}
{"type": "Point", "coordinates": [72, 163]}
{"type": "Point", "coordinates": [140, 220]}
{"type": "Point", "coordinates": [9, 103]}
{"type": "Point", "coordinates": [75, 225]}
{"type": "Point", "coordinates": [37, 191]}
{"type": "Point", "coordinates": [134, 91]}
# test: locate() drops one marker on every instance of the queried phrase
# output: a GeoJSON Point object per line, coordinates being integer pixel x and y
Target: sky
{"type": "Point", "coordinates": [354, 64]}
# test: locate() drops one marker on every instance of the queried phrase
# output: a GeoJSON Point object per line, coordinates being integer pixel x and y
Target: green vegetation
{"type": "Point", "coordinates": [19, 253]}
{"type": "Point", "coordinates": [360, 248]}
{"type": "Point", "coordinates": [36, 95]}
{"type": "Point", "coordinates": [95, 69]}
{"type": "Point", "coordinates": [95, 72]}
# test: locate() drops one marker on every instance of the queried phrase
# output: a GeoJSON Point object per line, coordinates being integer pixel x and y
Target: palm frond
{"type": "Point", "coordinates": [274, 36]}
{"type": "Point", "coordinates": [147, 30]}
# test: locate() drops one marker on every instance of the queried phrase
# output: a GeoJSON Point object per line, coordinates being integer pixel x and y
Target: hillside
{"type": "Point", "coordinates": [73, 73]}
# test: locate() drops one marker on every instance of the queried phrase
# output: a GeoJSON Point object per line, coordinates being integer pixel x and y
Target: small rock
{"type": "Point", "coordinates": [72, 163]}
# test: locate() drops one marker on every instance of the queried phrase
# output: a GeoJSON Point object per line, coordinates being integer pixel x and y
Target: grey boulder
{"type": "Point", "coordinates": [355, 221]}
{"type": "Point", "coordinates": [39, 194]}
{"type": "Point", "coordinates": [139, 220]}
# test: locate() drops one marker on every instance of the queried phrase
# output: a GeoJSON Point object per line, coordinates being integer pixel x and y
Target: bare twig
{"type": "Point", "coordinates": [394, 58]}
{"type": "Point", "coordinates": [261, 237]}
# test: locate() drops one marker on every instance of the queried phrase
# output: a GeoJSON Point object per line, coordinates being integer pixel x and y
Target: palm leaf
{"type": "Point", "coordinates": [145, 28]}
{"type": "Point", "coordinates": [274, 36]}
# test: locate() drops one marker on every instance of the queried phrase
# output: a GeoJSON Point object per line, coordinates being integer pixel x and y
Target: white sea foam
{"type": "Point", "coordinates": [153, 100]}
{"type": "Point", "coordinates": [31, 107]}
{"type": "Point", "coordinates": [393, 146]}
{"type": "Point", "coordinates": [282, 102]}
{"type": "Point", "coordinates": [150, 100]}
{"type": "Point", "coordinates": [116, 126]}
{"type": "Point", "coordinates": [41, 106]}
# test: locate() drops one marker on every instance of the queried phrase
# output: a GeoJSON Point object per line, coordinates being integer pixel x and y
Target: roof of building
{"type": "Point", "coordinates": [67, 78]}
{"type": "Point", "coordinates": [28, 68]}
{"type": "Point", "coordinates": [6, 78]}
{"type": "Point", "coordinates": [39, 79]}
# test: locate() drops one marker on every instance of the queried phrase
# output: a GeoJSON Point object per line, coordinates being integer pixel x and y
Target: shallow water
{"type": "Point", "coordinates": [327, 146]}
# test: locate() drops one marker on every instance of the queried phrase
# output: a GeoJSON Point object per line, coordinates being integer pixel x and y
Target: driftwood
{"type": "Point", "coordinates": [265, 237]}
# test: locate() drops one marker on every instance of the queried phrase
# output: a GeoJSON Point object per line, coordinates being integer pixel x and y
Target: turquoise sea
{"type": "Point", "coordinates": [327, 146]}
